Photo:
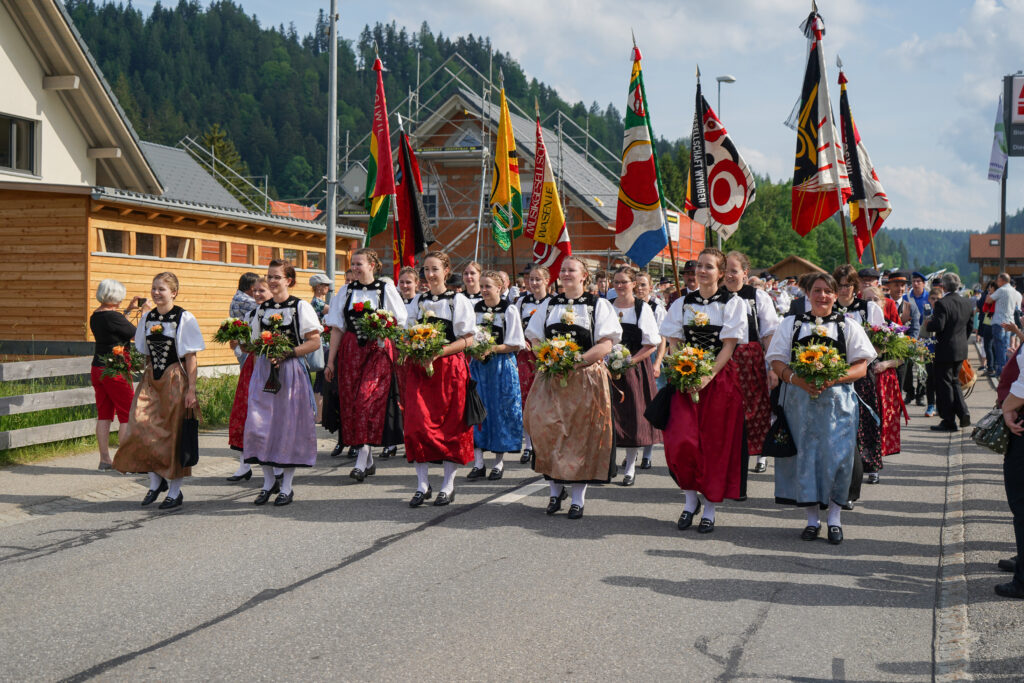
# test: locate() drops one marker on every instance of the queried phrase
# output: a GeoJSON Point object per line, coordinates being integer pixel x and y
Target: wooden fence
{"type": "Point", "coordinates": [29, 403]}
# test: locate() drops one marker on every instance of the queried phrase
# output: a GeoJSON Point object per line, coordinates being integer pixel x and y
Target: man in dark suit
{"type": "Point", "coordinates": [952, 322]}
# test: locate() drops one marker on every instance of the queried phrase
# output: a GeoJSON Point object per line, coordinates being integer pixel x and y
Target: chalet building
{"type": "Point", "coordinates": [83, 199]}
{"type": "Point", "coordinates": [984, 250]}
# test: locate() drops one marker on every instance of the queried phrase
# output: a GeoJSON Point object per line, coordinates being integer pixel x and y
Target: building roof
{"type": "Point", "coordinates": [985, 247]}
{"type": "Point", "coordinates": [51, 35]}
{"type": "Point", "coordinates": [184, 179]}
{"type": "Point", "coordinates": [794, 264]}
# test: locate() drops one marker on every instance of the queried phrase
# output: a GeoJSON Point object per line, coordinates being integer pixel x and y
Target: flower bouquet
{"type": "Point", "coordinates": [890, 341]}
{"type": "Point", "coordinates": [818, 363]}
{"type": "Point", "coordinates": [376, 324]}
{"type": "Point", "coordinates": [233, 330]}
{"type": "Point", "coordinates": [557, 357]}
{"type": "Point", "coordinates": [422, 342]}
{"type": "Point", "coordinates": [686, 369]}
{"type": "Point", "coordinates": [272, 344]}
{"type": "Point", "coordinates": [619, 360]}
{"type": "Point", "coordinates": [122, 360]}
{"type": "Point", "coordinates": [483, 342]}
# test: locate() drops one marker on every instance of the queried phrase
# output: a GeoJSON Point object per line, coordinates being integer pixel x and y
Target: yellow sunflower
{"type": "Point", "coordinates": [809, 356]}
{"type": "Point", "coordinates": [686, 367]}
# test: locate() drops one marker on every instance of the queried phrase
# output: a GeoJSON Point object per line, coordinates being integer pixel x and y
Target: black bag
{"type": "Point", "coordinates": [659, 409]}
{"type": "Point", "coordinates": [393, 426]}
{"type": "Point", "coordinates": [778, 442]}
{"type": "Point", "coordinates": [331, 412]}
{"type": "Point", "coordinates": [475, 412]}
{"type": "Point", "coordinates": [188, 443]}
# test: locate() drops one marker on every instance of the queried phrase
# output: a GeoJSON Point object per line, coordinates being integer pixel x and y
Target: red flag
{"type": "Point", "coordinates": [412, 228]}
{"type": "Point", "coordinates": [545, 220]}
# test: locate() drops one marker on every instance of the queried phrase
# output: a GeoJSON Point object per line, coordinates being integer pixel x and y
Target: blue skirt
{"type": "Point", "coordinates": [498, 383]}
{"type": "Point", "coordinates": [825, 432]}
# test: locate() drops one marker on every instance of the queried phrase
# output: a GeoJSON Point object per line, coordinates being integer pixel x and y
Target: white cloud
{"type": "Point", "coordinates": [958, 197]}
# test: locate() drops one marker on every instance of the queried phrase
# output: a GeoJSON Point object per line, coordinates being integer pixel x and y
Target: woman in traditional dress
{"type": "Point", "coordinates": [279, 430]}
{"type": "Point", "coordinates": [823, 422]}
{"type": "Point", "coordinates": [435, 405]}
{"type": "Point", "coordinates": [408, 286]}
{"type": "Point", "coordinates": [240, 406]}
{"type": "Point", "coordinates": [571, 426]}
{"type": "Point", "coordinates": [366, 368]}
{"type": "Point", "coordinates": [170, 336]}
{"type": "Point", "coordinates": [754, 377]}
{"type": "Point", "coordinates": [537, 281]}
{"type": "Point", "coordinates": [633, 390]}
{"type": "Point", "coordinates": [890, 400]}
{"type": "Point", "coordinates": [497, 380]}
{"type": "Point", "coordinates": [645, 292]}
{"type": "Point", "coordinates": [471, 282]}
{"type": "Point", "coordinates": [704, 440]}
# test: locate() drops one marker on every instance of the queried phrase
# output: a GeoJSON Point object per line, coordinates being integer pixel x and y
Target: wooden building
{"type": "Point", "coordinates": [83, 199]}
{"type": "Point", "coordinates": [793, 266]}
{"type": "Point", "coordinates": [984, 250]}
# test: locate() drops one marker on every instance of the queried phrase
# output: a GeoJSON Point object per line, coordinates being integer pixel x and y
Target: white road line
{"type": "Point", "coordinates": [520, 493]}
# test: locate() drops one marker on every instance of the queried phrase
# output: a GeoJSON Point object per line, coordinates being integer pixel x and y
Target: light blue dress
{"type": "Point", "coordinates": [497, 379]}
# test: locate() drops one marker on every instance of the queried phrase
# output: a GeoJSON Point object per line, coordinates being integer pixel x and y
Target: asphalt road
{"type": "Point", "coordinates": [349, 583]}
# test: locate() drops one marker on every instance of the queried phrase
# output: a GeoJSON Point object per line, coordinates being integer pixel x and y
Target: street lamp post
{"type": "Point", "coordinates": [718, 110]}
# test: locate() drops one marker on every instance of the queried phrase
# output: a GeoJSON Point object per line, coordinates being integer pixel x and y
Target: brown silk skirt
{"type": "Point", "coordinates": [571, 426]}
{"type": "Point", "coordinates": [154, 426]}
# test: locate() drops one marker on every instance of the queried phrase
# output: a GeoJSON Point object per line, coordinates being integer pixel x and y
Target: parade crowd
{"type": "Point", "coordinates": [564, 371]}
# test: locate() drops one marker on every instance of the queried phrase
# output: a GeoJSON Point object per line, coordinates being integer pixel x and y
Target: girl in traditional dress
{"type": "Point", "coordinates": [645, 292]}
{"type": "Point", "coordinates": [240, 406]}
{"type": "Point", "coordinates": [497, 380]}
{"type": "Point", "coordinates": [408, 286]}
{"type": "Point", "coordinates": [704, 440]}
{"type": "Point", "coordinates": [170, 336]}
{"type": "Point", "coordinates": [537, 281]}
{"type": "Point", "coordinates": [823, 422]}
{"type": "Point", "coordinates": [366, 368]}
{"type": "Point", "coordinates": [471, 282]}
{"type": "Point", "coordinates": [890, 400]}
{"type": "Point", "coordinates": [280, 430]}
{"type": "Point", "coordinates": [571, 426]}
{"type": "Point", "coordinates": [754, 377]}
{"type": "Point", "coordinates": [435, 405]}
{"type": "Point", "coordinates": [634, 389]}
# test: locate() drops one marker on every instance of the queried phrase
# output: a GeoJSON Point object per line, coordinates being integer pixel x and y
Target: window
{"type": "Point", "coordinates": [294, 257]}
{"type": "Point", "coordinates": [240, 253]}
{"type": "Point", "coordinates": [113, 241]}
{"type": "Point", "coordinates": [315, 260]}
{"type": "Point", "coordinates": [264, 255]}
{"type": "Point", "coordinates": [210, 250]}
{"type": "Point", "coordinates": [177, 247]}
{"type": "Point", "coordinates": [147, 244]}
{"type": "Point", "coordinates": [17, 144]}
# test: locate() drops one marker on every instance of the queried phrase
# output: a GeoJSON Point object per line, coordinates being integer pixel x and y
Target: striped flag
{"type": "Point", "coordinates": [545, 220]}
{"type": "Point", "coordinates": [380, 176]}
{"type": "Point", "coordinates": [506, 192]}
{"type": "Point", "coordinates": [640, 231]}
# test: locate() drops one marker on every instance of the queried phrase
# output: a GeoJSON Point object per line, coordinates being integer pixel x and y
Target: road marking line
{"type": "Point", "coordinates": [521, 492]}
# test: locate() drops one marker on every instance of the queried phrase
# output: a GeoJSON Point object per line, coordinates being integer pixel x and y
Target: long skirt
{"type": "Point", "coordinates": [571, 426]}
{"type": "Point", "coordinates": [631, 394]}
{"type": "Point", "coordinates": [154, 426]}
{"type": "Point", "coordinates": [240, 407]}
{"type": "Point", "coordinates": [364, 391]}
{"type": "Point", "coordinates": [825, 432]}
{"type": "Point", "coordinates": [890, 400]}
{"type": "Point", "coordinates": [704, 445]}
{"type": "Point", "coordinates": [435, 407]}
{"type": "Point", "coordinates": [869, 432]}
{"type": "Point", "coordinates": [280, 429]}
{"type": "Point", "coordinates": [498, 384]}
{"type": "Point", "coordinates": [527, 374]}
{"type": "Point", "coordinates": [757, 408]}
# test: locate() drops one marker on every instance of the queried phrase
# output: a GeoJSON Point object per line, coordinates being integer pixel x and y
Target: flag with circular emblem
{"type": "Point", "coordinates": [506, 192]}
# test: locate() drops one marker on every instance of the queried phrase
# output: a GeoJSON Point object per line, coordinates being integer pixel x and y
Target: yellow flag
{"type": "Point", "coordinates": [506, 192]}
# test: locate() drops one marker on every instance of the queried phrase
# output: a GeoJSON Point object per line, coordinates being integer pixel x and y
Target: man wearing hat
{"type": "Point", "coordinates": [689, 274]}
{"type": "Point", "coordinates": [869, 277]}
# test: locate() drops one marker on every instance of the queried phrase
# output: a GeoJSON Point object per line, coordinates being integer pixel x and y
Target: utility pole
{"type": "Point", "coordinates": [332, 149]}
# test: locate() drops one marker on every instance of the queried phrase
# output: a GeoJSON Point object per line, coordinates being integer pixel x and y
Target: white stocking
{"type": "Point", "coordinates": [631, 461]}
{"type": "Point", "coordinates": [527, 441]}
{"type": "Point", "coordinates": [648, 452]}
{"type": "Point", "coordinates": [363, 457]}
{"type": "Point", "coordinates": [691, 501]}
{"type": "Point", "coordinates": [174, 487]}
{"type": "Point", "coordinates": [812, 516]}
{"type": "Point", "coordinates": [243, 466]}
{"type": "Point", "coordinates": [762, 460]}
{"type": "Point", "coordinates": [579, 494]}
{"type": "Point", "coordinates": [834, 510]}
{"type": "Point", "coordinates": [478, 458]}
{"type": "Point", "coordinates": [286, 481]}
{"type": "Point", "coordinates": [268, 477]}
{"type": "Point", "coordinates": [278, 471]}
{"type": "Point", "coordinates": [422, 483]}
{"type": "Point", "coordinates": [499, 461]}
{"type": "Point", "coordinates": [154, 481]}
{"type": "Point", "coordinates": [709, 510]}
{"type": "Point", "coordinates": [448, 485]}
{"type": "Point", "coordinates": [555, 489]}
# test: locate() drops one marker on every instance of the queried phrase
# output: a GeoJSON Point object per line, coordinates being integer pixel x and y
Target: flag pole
{"type": "Point", "coordinates": [835, 155]}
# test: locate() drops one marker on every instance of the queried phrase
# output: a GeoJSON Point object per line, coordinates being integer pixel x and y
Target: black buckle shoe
{"type": "Point", "coordinates": [153, 494]}
{"type": "Point", "coordinates": [835, 535]}
{"type": "Point", "coordinates": [338, 448]}
{"type": "Point", "coordinates": [444, 498]}
{"type": "Point", "coordinates": [575, 511]}
{"type": "Point", "coordinates": [872, 477]}
{"type": "Point", "coordinates": [495, 474]}
{"type": "Point", "coordinates": [476, 473]}
{"type": "Point", "coordinates": [760, 467]}
{"type": "Point", "coordinates": [525, 457]}
{"type": "Point", "coordinates": [554, 505]}
{"type": "Point", "coordinates": [645, 464]}
{"type": "Point", "coordinates": [284, 499]}
{"type": "Point", "coordinates": [686, 519]}
{"type": "Point", "coordinates": [264, 495]}
{"type": "Point", "coordinates": [419, 497]}
{"type": "Point", "coordinates": [357, 474]}
{"type": "Point", "coordinates": [171, 502]}
{"type": "Point", "coordinates": [388, 452]}
{"type": "Point", "coordinates": [706, 526]}
{"type": "Point", "coordinates": [628, 480]}
{"type": "Point", "coordinates": [353, 452]}
{"type": "Point", "coordinates": [241, 477]}
{"type": "Point", "coordinates": [810, 533]}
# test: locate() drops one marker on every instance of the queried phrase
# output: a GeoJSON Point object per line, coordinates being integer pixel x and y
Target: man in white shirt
{"type": "Point", "coordinates": [1007, 301]}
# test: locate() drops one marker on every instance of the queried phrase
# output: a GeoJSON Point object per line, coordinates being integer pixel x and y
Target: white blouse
{"type": "Point", "coordinates": [767, 316]}
{"type": "Point", "coordinates": [648, 324]}
{"type": "Point", "coordinates": [858, 346]}
{"type": "Point", "coordinates": [606, 321]}
{"type": "Point", "coordinates": [731, 315]}
{"type": "Point", "coordinates": [458, 309]}
{"type": "Point", "coordinates": [391, 301]}
{"type": "Point", "coordinates": [188, 338]}
{"type": "Point", "coordinates": [876, 317]}
{"type": "Point", "coordinates": [308, 319]}
{"type": "Point", "coordinates": [1017, 388]}
{"type": "Point", "coordinates": [511, 326]}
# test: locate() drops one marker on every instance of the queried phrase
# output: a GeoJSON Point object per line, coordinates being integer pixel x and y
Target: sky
{"type": "Point", "coordinates": [924, 75]}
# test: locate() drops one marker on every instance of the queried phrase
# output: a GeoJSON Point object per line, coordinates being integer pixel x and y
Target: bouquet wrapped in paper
{"type": "Point", "coordinates": [483, 342]}
{"type": "Point", "coordinates": [422, 342]}
{"type": "Point", "coordinates": [272, 344]}
{"type": "Point", "coordinates": [619, 360]}
{"type": "Point", "coordinates": [122, 360]}
{"type": "Point", "coordinates": [233, 330]}
{"type": "Point", "coordinates": [557, 357]}
{"type": "Point", "coordinates": [686, 369]}
{"type": "Point", "coordinates": [817, 364]}
{"type": "Point", "coordinates": [376, 324]}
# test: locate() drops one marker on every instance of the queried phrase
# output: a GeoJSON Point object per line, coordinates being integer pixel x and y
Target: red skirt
{"type": "Point", "coordinates": [753, 378]}
{"type": "Point", "coordinates": [240, 408]}
{"type": "Point", "coordinates": [525, 362]}
{"type": "Point", "coordinates": [364, 384]}
{"type": "Point", "coordinates": [435, 425]}
{"type": "Point", "coordinates": [704, 441]}
{"type": "Point", "coordinates": [890, 403]}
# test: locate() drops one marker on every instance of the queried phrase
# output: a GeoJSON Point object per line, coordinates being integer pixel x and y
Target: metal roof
{"type": "Point", "coordinates": [184, 179]}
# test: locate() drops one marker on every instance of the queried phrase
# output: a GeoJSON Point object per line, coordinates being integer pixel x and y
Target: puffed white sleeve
{"type": "Point", "coordinates": [463, 316]}
{"type": "Point", "coordinates": [514, 329]}
{"type": "Point", "coordinates": [606, 322]}
{"type": "Point", "coordinates": [672, 325]}
{"type": "Point", "coordinates": [336, 316]}
{"type": "Point", "coordinates": [189, 338]}
{"type": "Point", "coordinates": [767, 316]}
{"type": "Point", "coordinates": [648, 327]}
{"type": "Point", "coordinates": [660, 312]}
{"type": "Point", "coordinates": [394, 303]}
{"type": "Point", "coordinates": [781, 347]}
{"type": "Point", "coordinates": [535, 330]}
{"type": "Point", "coordinates": [734, 320]}
{"type": "Point", "coordinates": [858, 346]}
{"type": "Point", "coordinates": [876, 317]}
{"type": "Point", "coordinates": [140, 337]}
{"type": "Point", "coordinates": [308, 320]}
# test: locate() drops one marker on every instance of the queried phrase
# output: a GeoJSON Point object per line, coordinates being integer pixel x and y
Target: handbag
{"type": "Point", "coordinates": [315, 360]}
{"type": "Point", "coordinates": [659, 409]}
{"type": "Point", "coordinates": [475, 412]}
{"type": "Point", "coordinates": [991, 432]}
{"type": "Point", "coordinates": [778, 442]}
{"type": "Point", "coordinates": [188, 442]}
